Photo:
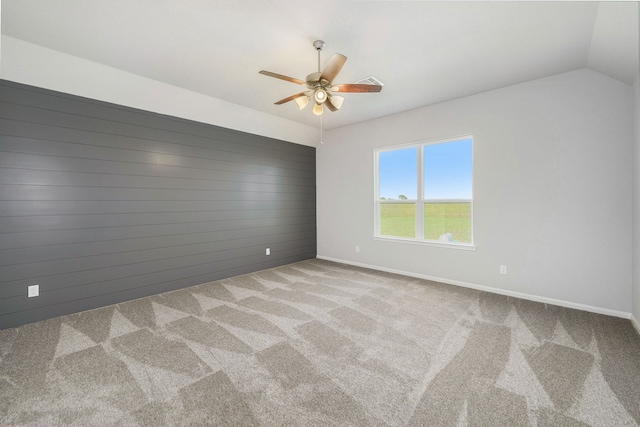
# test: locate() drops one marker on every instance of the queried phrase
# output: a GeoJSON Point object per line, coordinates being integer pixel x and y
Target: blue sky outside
{"type": "Point", "coordinates": [447, 171]}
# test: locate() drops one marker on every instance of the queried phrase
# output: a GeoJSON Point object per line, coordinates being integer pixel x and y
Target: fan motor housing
{"type": "Point", "coordinates": [313, 80]}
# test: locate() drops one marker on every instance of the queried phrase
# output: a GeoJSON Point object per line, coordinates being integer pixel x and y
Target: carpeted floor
{"type": "Point", "coordinates": [317, 343]}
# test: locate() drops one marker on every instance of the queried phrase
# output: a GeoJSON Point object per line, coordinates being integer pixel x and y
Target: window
{"type": "Point", "coordinates": [424, 192]}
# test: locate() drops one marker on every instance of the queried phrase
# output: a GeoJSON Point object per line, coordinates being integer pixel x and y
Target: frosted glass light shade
{"type": "Point", "coordinates": [336, 101]}
{"type": "Point", "coordinates": [320, 95]}
{"type": "Point", "coordinates": [302, 101]}
{"type": "Point", "coordinates": [318, 109]}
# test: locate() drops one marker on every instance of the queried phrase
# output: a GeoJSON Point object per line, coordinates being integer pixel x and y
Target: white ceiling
{"type": "Point", "coordinates": [423, 52]}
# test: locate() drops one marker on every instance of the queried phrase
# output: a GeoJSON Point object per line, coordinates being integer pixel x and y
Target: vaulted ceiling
{"type": "Point", "coordinates": [423, 52]}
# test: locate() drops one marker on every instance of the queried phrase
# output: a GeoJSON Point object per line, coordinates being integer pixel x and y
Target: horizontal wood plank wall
{"type": "Point", "coordinates": [101, 203]}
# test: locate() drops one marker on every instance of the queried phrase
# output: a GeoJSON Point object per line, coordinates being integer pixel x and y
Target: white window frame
{"type": "Point", "coordinates": [420, 201]}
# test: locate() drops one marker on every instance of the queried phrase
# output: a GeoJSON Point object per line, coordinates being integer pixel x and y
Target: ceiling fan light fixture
{"type": "Point", "coordinates": [320, 86]}
{"type": "Point", "coordinates": [320, 95]}
{"type": "Point", "coordinates": [302, 101]}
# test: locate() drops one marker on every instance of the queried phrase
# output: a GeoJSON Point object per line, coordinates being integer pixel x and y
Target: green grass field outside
{"type": "Point", "coordinates": [399, 220]}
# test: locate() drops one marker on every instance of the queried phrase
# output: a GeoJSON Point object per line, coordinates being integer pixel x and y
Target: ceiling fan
{"type": "Point", "coordinates": [320, 85]}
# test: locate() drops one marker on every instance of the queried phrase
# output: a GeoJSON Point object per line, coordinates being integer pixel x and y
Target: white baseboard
{"type": "Point", "coordinates": [514, 294]}
{"type": "Point", "coordinates": [635, 323]}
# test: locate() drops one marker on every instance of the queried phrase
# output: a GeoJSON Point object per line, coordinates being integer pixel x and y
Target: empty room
{"type": "Point", "coordinates": [345, 213]}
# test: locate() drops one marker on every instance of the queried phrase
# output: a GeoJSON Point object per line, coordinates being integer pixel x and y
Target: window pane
{"type": "Point", "coordinates": [448, 188]}
{"type": "Point", "coordinates": [448, 170]}
{"type": "Point", "coordinates": [398, 220]}
{"type": "Point", "coordinates": [398, 174]}
{"type": "Point", "coordinates": [448, 221]}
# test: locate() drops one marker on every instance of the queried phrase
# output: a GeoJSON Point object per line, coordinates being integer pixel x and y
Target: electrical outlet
{"type": "Point", "coordinates": [33, 291]}
{"type": "Point", "coordinates": [268, 251]}
{"type": "Point", "coordinates": [503, 269]}
{"type": "Point", "coordinates": [357, 248]}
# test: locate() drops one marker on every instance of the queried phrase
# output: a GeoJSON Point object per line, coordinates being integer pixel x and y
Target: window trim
{"type": "Point", "coordinates": [420, 201]}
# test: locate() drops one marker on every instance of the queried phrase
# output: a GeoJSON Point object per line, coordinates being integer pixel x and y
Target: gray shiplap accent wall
{"type": "Point", "coordinates": [101, 203]}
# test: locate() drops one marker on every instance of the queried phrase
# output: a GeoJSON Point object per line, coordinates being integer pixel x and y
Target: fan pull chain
{"type": "Point", "coordinates": [321, 130]}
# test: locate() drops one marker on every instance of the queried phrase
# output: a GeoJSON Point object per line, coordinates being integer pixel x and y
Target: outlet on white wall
{"type": "Point", "coordinates": [357, 248]}
{"type": "Point", "coordinates": [268, 251]}
{"type": "Point", "coordinates": [33, 291]}
{"type": "Point", "coordinates": [503, 269]}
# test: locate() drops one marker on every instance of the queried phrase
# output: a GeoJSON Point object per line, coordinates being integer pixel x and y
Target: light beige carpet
{"type": "Point", "coordinates": [317, 343]}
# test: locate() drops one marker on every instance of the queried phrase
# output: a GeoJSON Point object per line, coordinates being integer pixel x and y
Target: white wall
{"type": "Point", "coordinates": [553, 175]}
{"type": "Point", "coordinates": [31, 64]}
{"type": "Point", "coordinates": [636, 201]}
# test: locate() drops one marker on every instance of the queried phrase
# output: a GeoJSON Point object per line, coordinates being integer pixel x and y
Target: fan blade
{"type": "Point", "coordinates": [334, 102]}
{"type": "Point", "coordinates": [282, 77]}
{"type": "Point", "coordinates": [333, 67]}
{"type": "Point", "coordinates": [289, 98]}
{"type": "Point", "coordinates": [356, 87]}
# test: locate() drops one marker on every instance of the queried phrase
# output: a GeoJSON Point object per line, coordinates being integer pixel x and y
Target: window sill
{"type": "Point", "coordinates": [458, 246]}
